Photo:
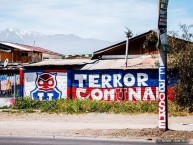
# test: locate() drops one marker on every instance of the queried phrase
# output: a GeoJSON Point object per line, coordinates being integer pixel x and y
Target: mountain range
{"type": "Point", "coordinates": [65, 44]}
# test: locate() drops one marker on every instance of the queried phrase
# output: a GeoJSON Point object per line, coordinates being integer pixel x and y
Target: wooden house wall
{"type": "Point", "coordinates": [30, 57]}
{"type": "Point", "coordinates": [5, 55]}
{"type": "Point", "coordinates": [19, 58]}
{"type": "Point", "coordinates": [36, 56]}
{"type": "Point", "coordinates": [136, 47]}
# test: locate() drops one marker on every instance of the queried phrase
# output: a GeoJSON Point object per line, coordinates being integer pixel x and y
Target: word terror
{"type": "Point", "coordinates": [111, 81]}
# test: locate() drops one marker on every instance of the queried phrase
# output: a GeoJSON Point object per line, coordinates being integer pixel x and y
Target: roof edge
{"type": "Point", "coordinates": [121, 43]}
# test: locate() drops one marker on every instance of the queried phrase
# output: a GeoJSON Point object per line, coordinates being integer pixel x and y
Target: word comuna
{"type": "Point", "coordinates": [136, 86]}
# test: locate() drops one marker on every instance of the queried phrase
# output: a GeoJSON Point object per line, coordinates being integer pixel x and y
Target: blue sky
{"type": "Point", "coordinates": [101, 19]}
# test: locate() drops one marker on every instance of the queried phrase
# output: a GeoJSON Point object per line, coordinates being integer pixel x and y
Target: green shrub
{"type": "Point", "coordinates": [69, 106]}
{"type": "Point", "coordinates": [48, 106]}
{"type": "Point", "coordinates": [21, 103]}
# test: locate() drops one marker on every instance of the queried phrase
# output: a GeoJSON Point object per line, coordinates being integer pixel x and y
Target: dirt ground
{"type": "Point", "coordinates": [94, 125]}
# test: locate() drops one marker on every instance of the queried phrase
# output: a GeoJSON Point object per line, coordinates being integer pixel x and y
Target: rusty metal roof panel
{"type": "Point", "coordinates": [39, 49]}
{"type": "Point", "coordinates": [30, 48]}
{"type": "Point", "coordinates": [142, 62]}
{"type": "Point", "coordinates": [57, 62]}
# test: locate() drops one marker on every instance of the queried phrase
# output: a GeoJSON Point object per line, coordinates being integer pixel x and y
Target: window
{"type": "Point", "coordinates": [24, 54]}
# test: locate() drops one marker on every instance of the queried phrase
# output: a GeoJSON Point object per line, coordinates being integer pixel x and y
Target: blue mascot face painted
{"type": "Point", "coordinates": [46, 87]}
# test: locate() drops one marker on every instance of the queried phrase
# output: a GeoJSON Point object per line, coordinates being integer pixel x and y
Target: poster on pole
{"type": "Point", "coordinates": [162, 24]}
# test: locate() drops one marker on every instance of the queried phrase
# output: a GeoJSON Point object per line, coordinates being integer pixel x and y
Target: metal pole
{"type": "Point", "coordinates": [163, 50]}
{"type": "Point", "coordinates": [166, 91]}
{"type": "Point", "coordinates": [126, 51]}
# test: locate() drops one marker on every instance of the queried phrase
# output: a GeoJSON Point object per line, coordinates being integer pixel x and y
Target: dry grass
{"type": "Point", "coordinates": [84, 106]}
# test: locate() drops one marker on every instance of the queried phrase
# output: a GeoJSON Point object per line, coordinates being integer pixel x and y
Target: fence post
{"type": "Point", "coordinates": [21, 82]}
{"type": "Point", "coordinates": [14, 87]}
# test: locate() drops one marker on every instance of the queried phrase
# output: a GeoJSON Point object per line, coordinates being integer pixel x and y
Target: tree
{"type": "Point", "coordinates": [129, 33]}
{"type": "Point", "coordinates": [181, 58]}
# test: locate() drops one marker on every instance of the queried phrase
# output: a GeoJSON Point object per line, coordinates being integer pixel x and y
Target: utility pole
{"type": "Point", "coordinates": [129, 34]}
{"type": "Point", "coordinates": [163, 50]}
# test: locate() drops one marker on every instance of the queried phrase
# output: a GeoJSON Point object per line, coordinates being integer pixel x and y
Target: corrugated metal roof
{"type": "Point", "coordinates": [39, 49]}
{"type": "Point", "coordinates": [49, 62]}
{"type": "Point", "coordinates": [30, 48]}
{"type": "Point", "coordinates": [133, 62]}
{"type": "Point", "coordinates": [15, 46]}
{"type": "Point", "coordinates": [141, 62]}
{"type": "Point", "coordinates": [5, 48]}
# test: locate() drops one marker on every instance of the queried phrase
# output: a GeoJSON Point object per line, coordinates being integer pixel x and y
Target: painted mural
{"type": "Point", "coordinates": [108, 85]}
{"type": "Point", "coordinates": [113, 85]}
{"type": "Point", "coordinates": [42, 85]}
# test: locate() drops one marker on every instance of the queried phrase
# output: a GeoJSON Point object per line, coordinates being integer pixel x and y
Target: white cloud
{"type": "Point", "coordinates": [103, 19]}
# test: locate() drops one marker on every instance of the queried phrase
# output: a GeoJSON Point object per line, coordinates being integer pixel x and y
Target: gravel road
{"type": "Point", "coordinates": [94, 125]}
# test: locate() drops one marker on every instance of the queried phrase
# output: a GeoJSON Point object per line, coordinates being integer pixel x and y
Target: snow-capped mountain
{"type": "Point", "coordinates": [9, 33]}
{"type": "Point", "coordinates": [64, 44]}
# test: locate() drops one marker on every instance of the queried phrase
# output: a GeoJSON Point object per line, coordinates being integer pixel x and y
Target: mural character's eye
{"type": "Point", "coordinates": [50, 82]}
{"type": "Point", "coordinates": [41, 82]}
